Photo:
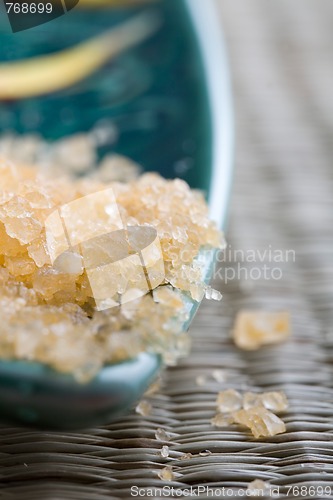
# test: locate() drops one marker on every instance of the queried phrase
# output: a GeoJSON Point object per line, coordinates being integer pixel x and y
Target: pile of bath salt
{"type": "Point", "coordinates": [77, 290]}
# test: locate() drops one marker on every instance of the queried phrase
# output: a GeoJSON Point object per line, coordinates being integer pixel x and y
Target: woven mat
{"type": "Point", "coordinates": [281, 57]}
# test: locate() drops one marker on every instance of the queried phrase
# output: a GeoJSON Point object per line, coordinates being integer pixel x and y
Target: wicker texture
{"type": "Point", "coordinates": [281, 58]}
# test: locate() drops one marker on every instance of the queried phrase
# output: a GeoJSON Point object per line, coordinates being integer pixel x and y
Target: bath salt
{"type": "Point", "coordinates": [257, 411]}
{"type": "Point", "coordinates": [94, 272]}
{"type": "Point", "coordinates": [252, 329]}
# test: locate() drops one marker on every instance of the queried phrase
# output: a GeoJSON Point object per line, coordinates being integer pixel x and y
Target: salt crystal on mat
{"type": "Point", "coordinates": [257, 488]}
{"type": "Point", "coordinates": [162, 435]}
{"type": "Point", "coordinates": [144, 408]}
{"type": "Point", "coordinates": [219, 375]}
{"type": "Point", "coordinates": [275, 401]}
{"type": "Point", "coordinates": [251, 399]}
{"type": "Point", "coordinates": [165, 451]}
{"type": "Point", "coordinates": [166, 474]}
{"type": "Point", "coordinates": [253, 329]}
{"type": "Point", "coordinates": [222, 420]}
{"type": "Point", "coordinates": [201, 380]}
{"type": "Point", "coordinates": [260, 421]}
{"type": "Point", "coordinates": [252, 410]}
{"type": "Point", "coordinates": [229, 401]}
{"type": "Point", "coordinates": [205, 453]}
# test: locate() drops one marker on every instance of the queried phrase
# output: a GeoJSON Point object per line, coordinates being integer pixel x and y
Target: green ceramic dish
{"type": "Point", "coordinates": [170, 101]}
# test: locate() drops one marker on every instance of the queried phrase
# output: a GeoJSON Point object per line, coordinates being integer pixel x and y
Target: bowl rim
{"type": "Point", "coordinates": [218, 83]}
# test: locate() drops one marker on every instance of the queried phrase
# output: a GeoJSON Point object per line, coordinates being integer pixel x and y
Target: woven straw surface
{"type": "Point", "coordinates": [281, 58]}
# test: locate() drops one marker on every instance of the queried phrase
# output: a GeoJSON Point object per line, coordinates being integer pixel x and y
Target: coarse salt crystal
{"type": "Point", "coordinates": [212, 294]}
{"type": "Point", "coordinates": [257, 488]}
{"type": "Point", "coordinates": [253, 329]}
{"type": "Point", "coordinates": [165, 451]}
{"type": "Point", "coordinates": [166, 474]}
{"type": "Point", "coordinates": [275, 401]}
{"type": "Point", "coordinates": [205, 453]}
{"type": "Point", "coordinates": [144, 408]}
{"type": "Point", "coordinates": [229, 401]}
{"type": "Point", "coordinates": [261, 421]}
{"type": "Point", "coordinates": [162, 435]}
{"type": "Point", "coordinates": [222, 420]}
{"type": "Point", "coordinates": [219, 375]}
{"type": "Point", "coordinates": [201, 380]}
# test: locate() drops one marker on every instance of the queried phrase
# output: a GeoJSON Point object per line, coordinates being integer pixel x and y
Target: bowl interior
{"type": "Point", "coordinates": [154, 94]}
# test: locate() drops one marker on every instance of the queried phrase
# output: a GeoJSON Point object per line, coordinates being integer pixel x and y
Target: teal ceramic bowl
{"type": "Point", "coordinates": [169, 99]}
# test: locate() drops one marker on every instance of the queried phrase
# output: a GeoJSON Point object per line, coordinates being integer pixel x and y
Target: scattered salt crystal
{"type": "Point", "coordinates": [166, 474]}
{"type": "Point", "coordinates": [201, 380]}
{"type": "Point", "coordinates": [255, 328]}
{"type": "Point", "coordinates": [222, 420]}
{"type": "Point", "coordinates": [186, 456]}
{"type": "Point", "coordinates": [219, 375]}
{"type": "Point", "coordinates": [216, 295]}
{"type": "Point", "coordinates": [144, 408]}
{"type": "Point", "coordinates": [229, 401]}
{"type": "Point", "coordinates": [275, 401]}
{"type": "Point", "coordinates": [261, 421]}
{"type": "Point", "coordinates": [250, 400]}
{"type": "Point", "coordinates": [252, 410]}
{"type": "Point", "coordinates": [162, 435]}
{"type": "Point", "coordinates": [257, 488]}
{"type": "Point", "coordinates": [212, 294]}
{"type": "Point", "coordinates": [165, 451]}
{"type": "Point", "coordinates": [205, 453]}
